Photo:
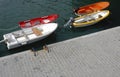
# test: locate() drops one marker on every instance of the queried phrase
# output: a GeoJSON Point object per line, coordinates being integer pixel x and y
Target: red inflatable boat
{"type": "Point", "coordinates": [37, 21]}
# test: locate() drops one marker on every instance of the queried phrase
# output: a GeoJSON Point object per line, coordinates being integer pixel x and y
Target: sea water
{"type": "Point", "coordinates": [14, 11]}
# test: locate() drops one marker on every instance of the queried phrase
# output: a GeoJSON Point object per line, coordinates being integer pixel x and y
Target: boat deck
{"type": "Point", "coordinates": [93, 55]}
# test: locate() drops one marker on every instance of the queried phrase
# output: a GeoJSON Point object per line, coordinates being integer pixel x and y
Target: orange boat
{"type": "Point", "coordinates": [92, 7]}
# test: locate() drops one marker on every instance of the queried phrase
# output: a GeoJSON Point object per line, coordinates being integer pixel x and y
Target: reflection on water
{"type": "Point", "coordinates": [13, 11]}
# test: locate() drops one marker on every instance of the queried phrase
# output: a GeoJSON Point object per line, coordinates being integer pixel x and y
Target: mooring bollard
{"type": "Point", "coordinates": [45, 48]}
{"type": "Point", "coordinates": [34, 51]}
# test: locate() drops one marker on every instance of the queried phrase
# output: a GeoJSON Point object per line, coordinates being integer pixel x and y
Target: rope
{"type": "Point", "coordinates": [2, 41]}
{"type": "Point", "coordinates": [10, 28]}
{"type": "Point", "coordinates": [69, 21]}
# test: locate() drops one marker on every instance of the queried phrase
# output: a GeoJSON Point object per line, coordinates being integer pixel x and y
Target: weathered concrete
{"type": "Point", "coordinates": [93, 55]}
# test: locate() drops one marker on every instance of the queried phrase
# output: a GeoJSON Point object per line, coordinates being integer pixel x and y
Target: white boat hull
{"type": "Point", "coordinates": [26, 36]}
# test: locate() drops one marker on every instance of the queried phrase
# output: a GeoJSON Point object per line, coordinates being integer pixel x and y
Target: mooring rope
{"type": "Point", "coordinates": [69, 21]}
{"type": "Point", "coordinates": [10, 28]}
{"type": "Point", "coordinates": [2, 41]}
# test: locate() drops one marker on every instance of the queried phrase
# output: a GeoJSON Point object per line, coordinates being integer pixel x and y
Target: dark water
{"type": "Point", "coordinates": [13, 11]}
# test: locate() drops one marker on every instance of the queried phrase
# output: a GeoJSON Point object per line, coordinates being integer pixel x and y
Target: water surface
{"type": "Point", "coordinates": [13, 11]}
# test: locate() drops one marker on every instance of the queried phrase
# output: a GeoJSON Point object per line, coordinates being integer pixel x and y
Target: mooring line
{"type": "Point", "coordinates": [10, 28]}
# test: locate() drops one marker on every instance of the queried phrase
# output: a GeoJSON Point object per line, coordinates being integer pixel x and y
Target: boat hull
{"type": "Point", "coordinates": [92, 8]}
{"type": "Point", "coordinates": [27, 36]}
{"type": "Point", "coordinates": [90, 19]}
{"type": "Point", "coordinates": [37, 21]}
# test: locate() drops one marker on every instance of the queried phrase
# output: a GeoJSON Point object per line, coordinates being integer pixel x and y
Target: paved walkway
{"type": "Point", "coordinates": [93, 55]}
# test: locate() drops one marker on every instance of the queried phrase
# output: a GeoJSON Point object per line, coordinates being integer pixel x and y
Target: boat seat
{"type": "Point", "coordinates": [25, 35]}
{"type": "Point", "coordinates": [17, 34]}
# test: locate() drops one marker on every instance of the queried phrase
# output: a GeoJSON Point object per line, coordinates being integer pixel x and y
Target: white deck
{"type": "Point", "coordinates": [94, 55]}
{"type": "Point", "coordinates": [29, 35]}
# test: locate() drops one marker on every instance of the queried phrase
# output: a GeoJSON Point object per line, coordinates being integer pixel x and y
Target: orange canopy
{"type": "Point", "coordinates": [92, 7]}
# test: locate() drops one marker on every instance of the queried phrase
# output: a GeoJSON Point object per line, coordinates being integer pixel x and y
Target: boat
{"type": "Point", "coordinates": [29, 35]}
{"type": "Point", "coordinates": [37, 21]}
{"type": "Point", "coordinates": [90, 19]}
{"type": "Point", "coordinates": [91, 8]}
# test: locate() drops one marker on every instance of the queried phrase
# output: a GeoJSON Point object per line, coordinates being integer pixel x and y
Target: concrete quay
{"type": "Point", "coordinates": [93, 55]}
